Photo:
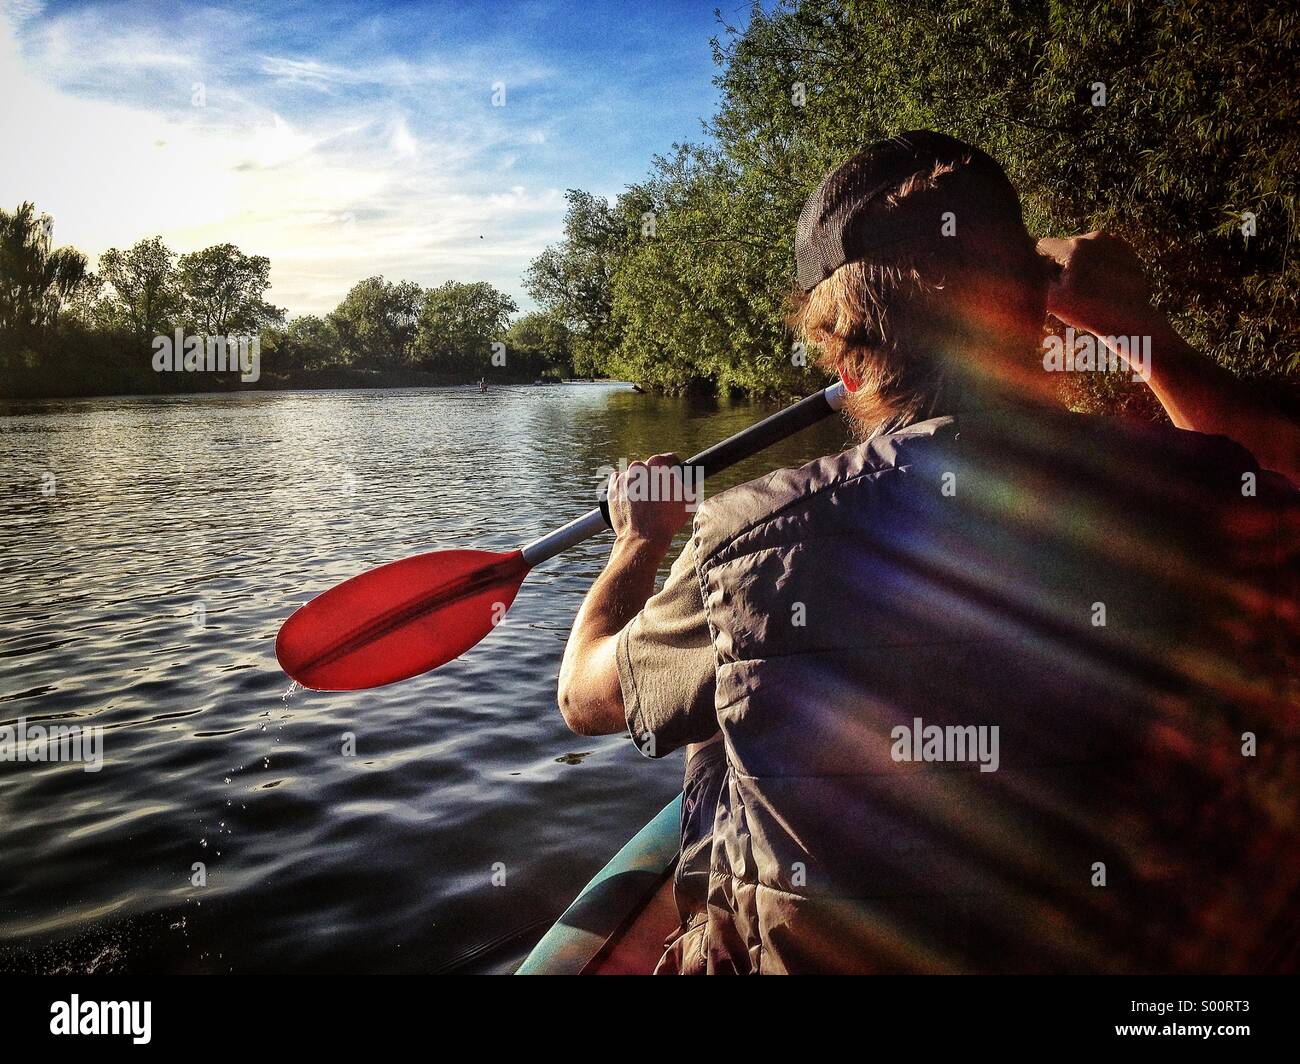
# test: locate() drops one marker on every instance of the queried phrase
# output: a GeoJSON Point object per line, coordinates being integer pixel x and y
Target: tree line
{"type": "Point", "coordinates": [1174, 125]}
{"type": "Point", "coordinates": [68, 330]}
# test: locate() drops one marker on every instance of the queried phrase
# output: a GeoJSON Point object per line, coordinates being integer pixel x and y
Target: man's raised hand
{"type": "Point", "coordinates": [1099, 286]}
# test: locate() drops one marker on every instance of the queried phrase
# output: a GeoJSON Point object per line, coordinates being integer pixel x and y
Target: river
{"type": "Point", "coordinates": [151, 549]}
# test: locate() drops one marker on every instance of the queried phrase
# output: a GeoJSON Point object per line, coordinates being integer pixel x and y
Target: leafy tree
{"type": "Point", "coordinates": [307, 343]}
{"type": "Point", "coordinates": [699, 297]}
{"type": "Point", "coordinates": [572, 279]}
{"type": "Point", "coordinates": [539, 342]}
{"type": "Point", "coordinates": [145, 295]}
{"type": "Point", "coordinates": [35, 279]}
{"type": "Point", "coordinates": [458, 324]}
{"type": "Point", "coordinates": [1191, 151]}
{"type": "Point", "coordinates": [376, 322]}
{"type": "Point", "coordinates": [223, 291]}
{"type": "Point", "coordinates": [86, 303]}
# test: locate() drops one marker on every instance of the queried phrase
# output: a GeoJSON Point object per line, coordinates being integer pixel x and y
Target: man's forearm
{"type": "Point", "coordinates": [620, 591]}
{"type": "Point", "coordinates": [1200, 395]}
{"type": "Point", "coordinates": [589, 694]}
{"type": "Point", "coordinates": [1100, 286]}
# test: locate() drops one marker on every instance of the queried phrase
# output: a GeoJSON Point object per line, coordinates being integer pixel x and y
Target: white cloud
{"type": "Point", "coordinates": [286, 159]}
{"type": "Point", "coordinates": [17, 11]}
{"type": "Point", "coordinates": [402, 141]}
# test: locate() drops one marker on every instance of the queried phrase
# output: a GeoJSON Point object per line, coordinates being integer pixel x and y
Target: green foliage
{"type": "Point", "coordinates": [35, 279]}
{"type": "Point", "coordinates": [698, 298]}
{"type": "Point", "coordinates": [223, 291]}
{"type": "Point", "coordinates": [306, 344]}
{"type": "Point", "coordinates": [459, 323]}
{"type": "Point", "coordinates": [1199, 126]}
{"type": "Point", "coordinates": [376, 322]}
{"type": "Point", "coordinates": [540, 343]}
{"type": "Point", "coordinates": [571, 280]}
{"type": "Point", "coordinates": [145, 294]}
{"type": "Point", "coordinates": [67, 331]}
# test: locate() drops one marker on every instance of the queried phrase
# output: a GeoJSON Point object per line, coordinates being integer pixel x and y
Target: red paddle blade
{"type": "Point", "coordinates": [399, 620]}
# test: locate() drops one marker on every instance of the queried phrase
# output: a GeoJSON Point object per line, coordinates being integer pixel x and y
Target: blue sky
{"type": "Point", "coordinates": [342, 139]}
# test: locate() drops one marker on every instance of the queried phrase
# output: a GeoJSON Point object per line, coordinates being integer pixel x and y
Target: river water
{"type": "Point", "coordinates": [151, 547]}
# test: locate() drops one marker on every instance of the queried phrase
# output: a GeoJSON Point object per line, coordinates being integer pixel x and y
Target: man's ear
{"type": "Point", "coordinates": [850, 382]}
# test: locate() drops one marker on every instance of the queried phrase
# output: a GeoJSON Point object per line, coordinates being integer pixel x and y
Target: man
{"type": "Point", "coordinates": [1002, 688]}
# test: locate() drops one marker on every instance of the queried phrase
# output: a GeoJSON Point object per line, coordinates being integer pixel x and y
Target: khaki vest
{"type": "Point", "coordinates": [1110, 598]}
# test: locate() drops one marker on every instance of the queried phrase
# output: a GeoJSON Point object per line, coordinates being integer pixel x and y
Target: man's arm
{"type": "Point", "coordinates": [590, 696]}
{"type": "Point", "coordinates": [1101, 289]}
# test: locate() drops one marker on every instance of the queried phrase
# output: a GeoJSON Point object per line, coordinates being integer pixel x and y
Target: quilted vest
{"type": "Point", "coordinates": [1117, 601]}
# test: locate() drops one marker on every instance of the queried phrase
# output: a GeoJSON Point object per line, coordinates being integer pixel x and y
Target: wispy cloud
{"type": "Point", "coordinates": [341, 141]}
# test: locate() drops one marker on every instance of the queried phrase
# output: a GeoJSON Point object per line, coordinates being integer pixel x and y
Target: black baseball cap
{"type": "Point", "coordinates": [847, 217]}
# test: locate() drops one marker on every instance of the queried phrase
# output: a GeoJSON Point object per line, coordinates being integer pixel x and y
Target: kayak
{"type": "Point", "coordinates": [618, 923]}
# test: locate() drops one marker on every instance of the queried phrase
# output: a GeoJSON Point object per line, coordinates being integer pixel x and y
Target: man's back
{"type": "Point", "coordinates": [1104, 613]}
{"type": "Point", "coordinates": [984, 685]}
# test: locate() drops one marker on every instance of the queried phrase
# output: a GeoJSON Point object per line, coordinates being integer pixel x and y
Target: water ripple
{"type": "Point", "coordinates": [144, 595]}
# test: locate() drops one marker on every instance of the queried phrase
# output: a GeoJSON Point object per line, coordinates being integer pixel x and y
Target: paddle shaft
{"type": "Point", "coordinates": [744, 444]}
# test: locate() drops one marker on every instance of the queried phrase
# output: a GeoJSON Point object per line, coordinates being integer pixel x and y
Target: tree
{"type": "Point", "coordinates": [35, 279]}
{"type": "Point", "coordinates": [308, 343]}
{"type": "Point", "coordinates": [698, 297]}
{"type": "Point", "coordinates": [223, 290]}
{"type": "Point", "coordinates": [376, 322]}
{"type": "Point", "coordinates": [458, 324]}
{"type": "Point", "coordinates": [1102, 115]}
{"type": "Point", "coordinates": [572, 279]}
{"type": "Point", "coordinates": [86, 304]}
{"type": "Point", "coordinates": [146, 295]}
{"type": "Point", "coordinates": [539, 342]}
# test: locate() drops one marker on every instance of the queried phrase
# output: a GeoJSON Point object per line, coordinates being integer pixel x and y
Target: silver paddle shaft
{"type": "Point", "coordinates": [744, 444]}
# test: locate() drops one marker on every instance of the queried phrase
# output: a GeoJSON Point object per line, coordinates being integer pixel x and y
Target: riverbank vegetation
{"type": "Point", "coordinates": [67, 330]}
